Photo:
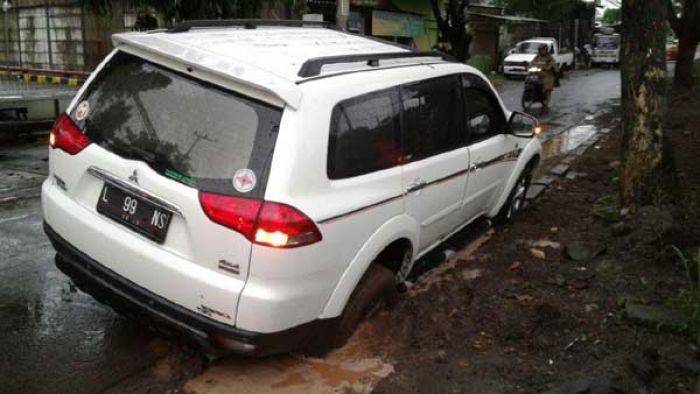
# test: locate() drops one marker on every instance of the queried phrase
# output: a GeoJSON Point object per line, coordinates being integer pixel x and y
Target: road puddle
{"type": "Point", "coordinates": [355, 368]}
{"type": "Point", "coordinates": [567, 141]}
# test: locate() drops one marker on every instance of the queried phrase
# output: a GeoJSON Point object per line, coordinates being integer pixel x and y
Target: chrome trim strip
{"type": "Point", "coordinates": [114, 180]}
{"type": "Point", "coordinates": [358, 210]}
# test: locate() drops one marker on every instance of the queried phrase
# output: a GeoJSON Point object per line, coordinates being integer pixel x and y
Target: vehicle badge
{"type": "Point", "coordinates": [134, 177]}
{"type": "Point", "coordinates": [83, 110]}
{"type": "Point", "coordinates": [244, 180]}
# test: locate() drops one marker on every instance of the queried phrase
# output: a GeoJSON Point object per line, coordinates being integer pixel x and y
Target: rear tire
{"type": "Point", "coordinates": [376, 290]}
{"type": "Point", "coordinates": [526, 101]}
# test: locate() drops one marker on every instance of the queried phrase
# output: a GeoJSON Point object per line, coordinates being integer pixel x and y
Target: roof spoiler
{"type": "Point", "coordinates": [257, 79]}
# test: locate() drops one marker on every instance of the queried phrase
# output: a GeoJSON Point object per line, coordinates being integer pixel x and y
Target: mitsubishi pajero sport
{"type": "Point", "coordinates": [261, 186]}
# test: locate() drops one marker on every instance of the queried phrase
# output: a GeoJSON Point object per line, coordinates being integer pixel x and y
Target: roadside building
{"type": "Point", "coordinates": [494, 32]}
{"type": "Point", "coordinates": [409, 22]}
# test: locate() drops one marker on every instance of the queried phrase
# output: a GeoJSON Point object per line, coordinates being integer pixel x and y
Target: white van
{"type": "Point", "coordinates": [262, 186]}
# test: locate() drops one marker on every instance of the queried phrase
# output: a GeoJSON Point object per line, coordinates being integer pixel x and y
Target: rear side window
{"type": "Point", "coordinates": [364, 135]}
{"type": "Point", "coordinates": [188, 130]}
{"type": "Point", "coordinates": [432, 117]}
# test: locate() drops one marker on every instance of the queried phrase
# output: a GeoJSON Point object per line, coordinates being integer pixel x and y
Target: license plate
{"type": "Point", "coordinates": [134, 212]}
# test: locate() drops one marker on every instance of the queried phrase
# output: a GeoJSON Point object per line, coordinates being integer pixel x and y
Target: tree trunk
{"type": "Point", "coordinates": [683, 77]}
{"type": "Point", "coordinates": [452, 27]}
{"type": "Point", "coordinates": [643, 91]}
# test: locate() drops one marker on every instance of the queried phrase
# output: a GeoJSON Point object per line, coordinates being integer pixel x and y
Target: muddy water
{"type": "Point", "coordinates": [355, 368]}
{"type": "Point", "coordinates": [567, 141]}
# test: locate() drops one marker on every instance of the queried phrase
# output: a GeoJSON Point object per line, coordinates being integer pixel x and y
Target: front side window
{"type": "Point", "coordinates": [484, 117]}
{"type": "Point", "coordinates": [365, 135]}
{"type": "Point", "coordinates": [432, 113]}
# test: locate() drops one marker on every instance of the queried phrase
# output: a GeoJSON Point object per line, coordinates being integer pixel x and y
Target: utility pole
{"type": "Point", "coordinates": [6, 10]}
{"type": "Point", "coordinates": [342, 11]}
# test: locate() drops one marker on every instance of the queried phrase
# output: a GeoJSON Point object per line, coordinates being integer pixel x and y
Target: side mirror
{"type": "Point", "coordinates": [512, 51]}
{"type": "Point", "coordinates": [523, 125]}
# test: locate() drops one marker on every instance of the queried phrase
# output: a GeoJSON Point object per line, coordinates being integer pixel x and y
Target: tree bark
{"type": "Point", "coordinates": [687, 29]}
{"type": "Point", "coordinates": [643, 91]}
{"type": "Point", "coordinates": [683, 76]}
{"type": "Point", "coordinates": [453, 27]}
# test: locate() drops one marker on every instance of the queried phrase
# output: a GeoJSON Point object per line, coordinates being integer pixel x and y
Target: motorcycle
{"type": "Point", "coordinates": [534, 88]}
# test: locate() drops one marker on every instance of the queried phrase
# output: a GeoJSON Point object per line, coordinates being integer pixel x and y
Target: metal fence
{"type": "Point", "coordinates": [60, 34]}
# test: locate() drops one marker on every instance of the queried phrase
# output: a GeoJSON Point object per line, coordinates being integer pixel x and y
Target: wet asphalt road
{"type": "Point", "coordinates": [55, 339]}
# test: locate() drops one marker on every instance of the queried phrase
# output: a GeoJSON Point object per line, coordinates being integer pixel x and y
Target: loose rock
{"type": "Point", "coordinates": [577, 252]}
{"type": "Point", "coordinates": [538, 253]}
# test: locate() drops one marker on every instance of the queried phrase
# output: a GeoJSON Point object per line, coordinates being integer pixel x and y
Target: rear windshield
{"type": "Point", "coordinates": [188, 130]}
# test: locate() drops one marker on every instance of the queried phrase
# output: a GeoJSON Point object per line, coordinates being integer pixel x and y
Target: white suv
{"type": "Point", "coordinates": [262, 186]}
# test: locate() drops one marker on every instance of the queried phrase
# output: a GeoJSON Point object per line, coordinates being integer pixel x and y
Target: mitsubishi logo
{"type": "Point", "coordinates": [134, 177]}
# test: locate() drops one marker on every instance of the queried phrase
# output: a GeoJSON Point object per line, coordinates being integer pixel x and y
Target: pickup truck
{"type": "Point", "coordinates": [519, 58]}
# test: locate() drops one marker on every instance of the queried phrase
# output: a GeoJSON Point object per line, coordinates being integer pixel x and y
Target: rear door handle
{"type": "Point", "coordinates": [416, 185]}
{"type": "Point", "coordinates": [476, 166]}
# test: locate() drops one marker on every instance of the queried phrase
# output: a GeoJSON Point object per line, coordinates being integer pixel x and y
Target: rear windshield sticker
{"type": "Point", "coordinates": [244, 180]}
{"type": "Point", "coordinates": [83, 110]}
{"type": "Point", "coordinates": [180, 177]}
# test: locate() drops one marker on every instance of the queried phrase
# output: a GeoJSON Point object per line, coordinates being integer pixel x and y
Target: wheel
{"type": "Point", "coordinates": [516, 200]}
{"type": "Point", "coordinates": [376, 290]}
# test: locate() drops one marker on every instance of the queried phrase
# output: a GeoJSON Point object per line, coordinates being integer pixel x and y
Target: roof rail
{"type": "Point", "coordinates": [245, 23]}
{"type": "Point", "coordinates": [312, 67]}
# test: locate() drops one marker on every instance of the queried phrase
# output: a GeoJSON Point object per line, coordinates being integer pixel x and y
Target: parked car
{"type": "Point", "coordinates": [518, 59]}
{"type": "Point", "coordinates": [261, 186]}
{"type": "Point", "coordinates": [606, 49]}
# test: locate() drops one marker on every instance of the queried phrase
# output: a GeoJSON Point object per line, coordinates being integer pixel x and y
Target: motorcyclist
{"type": "Point", "coordinates": [549, 71]}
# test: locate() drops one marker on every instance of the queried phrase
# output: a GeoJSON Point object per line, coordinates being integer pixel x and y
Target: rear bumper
{"type": "Point", "coordinates": [131, 299]}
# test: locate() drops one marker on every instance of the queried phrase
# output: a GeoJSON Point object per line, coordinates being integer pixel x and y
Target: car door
{"type": "Point", "coordinates": [435, 156]}
{"type": "Point", "coordinates": [492, 151]}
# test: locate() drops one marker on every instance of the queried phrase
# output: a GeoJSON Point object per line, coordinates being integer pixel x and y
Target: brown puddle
{"type": "Point", "coordinates": [353, 368]}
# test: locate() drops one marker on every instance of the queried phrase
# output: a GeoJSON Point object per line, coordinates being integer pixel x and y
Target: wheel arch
{"type": "Point", "coordinates": [531, 155]}
{"type": "Point", "coordinates": [397, 233]}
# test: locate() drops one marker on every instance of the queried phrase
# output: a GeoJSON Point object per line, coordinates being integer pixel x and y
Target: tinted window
{"type": "Point", "coordinates": [432, 117]}
{"type": "Point", "coordinates": [364, 135]}
{"type": "Point", "coordinates": [484, 117]}
{"type": "Point", "coordinates": [186, 129]}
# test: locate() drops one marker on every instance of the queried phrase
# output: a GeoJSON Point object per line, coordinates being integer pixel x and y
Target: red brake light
{"type": "Point", "coordinates": [284, 226]}
{"type": "Point", "coordinates": [235, 213]}
{"type": "Point", "coordinates": [262, 222]}
{"type": "Point", "coordinates": [66, 136]}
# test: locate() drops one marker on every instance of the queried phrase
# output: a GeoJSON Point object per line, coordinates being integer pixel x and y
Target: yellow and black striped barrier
{"type": "Point", "coordinates": [45, 76]}
{"type": "Point", "coordinates": [53, 80]}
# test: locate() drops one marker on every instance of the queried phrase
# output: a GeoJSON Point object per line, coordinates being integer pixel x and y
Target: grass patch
{"type": "Point", "coordinates": [481, 62]}
{"type": "Point", "coordinates": [689, 297]}
{"type": "Point", "coordinates": [608, 208]}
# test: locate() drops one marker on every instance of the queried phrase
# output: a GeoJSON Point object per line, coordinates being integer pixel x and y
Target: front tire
{"type": "Point", "coordinates": [517, 197]}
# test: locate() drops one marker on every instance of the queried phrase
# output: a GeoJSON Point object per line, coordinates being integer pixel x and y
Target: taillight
{"type": "Point", "coordinates": [262, 222]}
{"type": "Point", "coordinates": [235, 213]}
{"type": "Point", "coordinates": [284, 226]}
{"type": "Point", "coordinates": [66, 136]}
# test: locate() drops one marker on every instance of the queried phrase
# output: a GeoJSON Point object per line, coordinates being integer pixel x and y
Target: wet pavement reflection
{"type": "Point", "coordinates": [55, 339]}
